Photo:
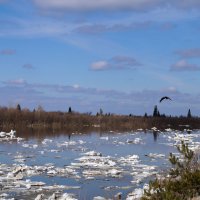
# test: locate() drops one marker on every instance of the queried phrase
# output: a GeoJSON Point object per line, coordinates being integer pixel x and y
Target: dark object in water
{"type": "Point", "coordinates": [189, 131]}
{"type": "Point", "coordinates": [165, 97]}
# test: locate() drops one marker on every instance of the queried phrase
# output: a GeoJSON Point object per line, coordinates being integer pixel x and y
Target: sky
{"type": "Point", "coordinates": [120, 56]}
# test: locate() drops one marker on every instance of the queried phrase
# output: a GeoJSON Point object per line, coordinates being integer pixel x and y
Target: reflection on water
{"type": "Point", "coordinates": [88, 164]}
{"type": "Point", "coordinates": [155, 135]}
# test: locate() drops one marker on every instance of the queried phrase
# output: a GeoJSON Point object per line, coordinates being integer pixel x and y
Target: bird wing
{"type": "Point", "coordinates": [164, 98]}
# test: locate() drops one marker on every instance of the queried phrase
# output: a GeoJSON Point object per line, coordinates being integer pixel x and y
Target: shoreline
{"type": "Point", "coordinates": [101, 123]}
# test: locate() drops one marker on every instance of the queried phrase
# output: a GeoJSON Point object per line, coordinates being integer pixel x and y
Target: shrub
{"type": "Point", "coordinates": [183, 181]}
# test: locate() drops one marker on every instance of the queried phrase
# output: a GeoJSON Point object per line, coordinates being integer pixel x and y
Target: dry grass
{"type": "Point", "coordinates": [40, 119]}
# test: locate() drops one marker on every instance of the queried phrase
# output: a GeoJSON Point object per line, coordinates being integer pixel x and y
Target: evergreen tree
{"type": "Point", "coordinates": [18, 107]}
{"type": "Point", "coordinates": [183, 180]}
{"type": "Point", "coordinates": [101, 111]}
{"type": "Point", "coordinates": [70, 110]}
{"type": "Point", "coordinates": [145, 115]}
{"type": "Point", "coordinates": [155, 112]}
{"type": "Point", "coordinates": [189, 114]}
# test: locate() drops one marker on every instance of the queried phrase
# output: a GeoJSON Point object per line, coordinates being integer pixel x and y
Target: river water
{"type": "Point", "coordinates": [86, 165]}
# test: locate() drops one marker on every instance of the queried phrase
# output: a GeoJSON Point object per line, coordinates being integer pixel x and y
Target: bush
{"type": "Point", "coordinates": [183, 181]}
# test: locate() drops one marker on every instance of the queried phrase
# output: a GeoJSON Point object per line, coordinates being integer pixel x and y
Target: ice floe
{"type": "Point", "coordinates": [135, 141]}
{"type": "Point", "coordinates": [56, 196]}
{"type": "Point", "coordinates": [9, 136]}
{"type": "Point", "coordinates": [87, 164]}
{"type": "Point", "coordinates": [137, 193]}
{"type": "Point", "coordinates": [155, 155]}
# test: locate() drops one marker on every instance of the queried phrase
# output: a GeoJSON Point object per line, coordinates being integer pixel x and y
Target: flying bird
{"type": "Point", "coordinates": [164, 98]}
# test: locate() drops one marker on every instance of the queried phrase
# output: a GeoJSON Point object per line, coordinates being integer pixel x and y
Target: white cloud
{"type": "Point", "coordinates": [16, 82]}
{"type": "Point", "coordinates": [76, 86]}
{"type": "Point", "coordinates": [115, 63]}
{"type": "Point", "coordinates": [89, 99]}
{"type": "Point", "coordinates": [39, 26]}
{"type": "Point", "coordinates": [138, 5]}
{"type": "Point", "coordinates": [99, 65]}
{"type": "Point", "coordinates": [115, 27]}
{"type": "Point", "coordinates": [88, 5]}
{"type": "Point", "coordinates": [65, 26]}
{"type": "Point", "coordinates": [183, 65]}
{"type": "Point", "coordinates": [171, 90]}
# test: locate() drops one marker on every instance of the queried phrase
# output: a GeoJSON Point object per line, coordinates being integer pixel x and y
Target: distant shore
{"type": "Point", "coordinates": [15, 118]}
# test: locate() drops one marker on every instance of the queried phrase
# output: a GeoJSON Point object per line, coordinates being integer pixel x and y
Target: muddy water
{"type": "Point", "coordinates": [85, 165]}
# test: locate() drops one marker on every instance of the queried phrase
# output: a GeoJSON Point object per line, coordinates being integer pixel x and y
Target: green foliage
{"type": "Point", "coordinates": [183, 182]}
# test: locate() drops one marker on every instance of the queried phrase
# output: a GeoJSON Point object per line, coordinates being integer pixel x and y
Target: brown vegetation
{"type": "Point", "coordinates": [17, 118]}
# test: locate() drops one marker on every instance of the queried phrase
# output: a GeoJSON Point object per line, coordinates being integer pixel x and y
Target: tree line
{"type": "Point", "coordinates": [156, 113]}
{"type": "Point", "coordinates": [39, 118]}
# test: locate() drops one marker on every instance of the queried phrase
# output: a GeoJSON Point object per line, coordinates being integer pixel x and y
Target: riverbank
{"type": "Point", "coordinates": [11, 118]}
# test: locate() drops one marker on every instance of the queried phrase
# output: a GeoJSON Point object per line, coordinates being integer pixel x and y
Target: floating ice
{"type": "Point", "coordinates": [2, 134]}
{"type": "Point", "coordinates": [92, 153]}
{"type": "Point", "coordinates": [104, 138]}
{"type": "Point", "coordinates": [84, 162]}
{"type": "Point", "coordinates": [7, 136]}
{"type": "Point", "coordinates": [30, 146]}
{"type": "Point", "coordinates": [3, 195]}
{"type": "Point", "coordinates": [154, 129]}
{"type": "Point", "coordinates": [39, 197]}
{"type": "Point", "coordinates": [99, 198]}
{"type": "Point", "coordinates": [135, 141]}
{"type": "Point", "coordinates": [113, 172]}
{"type": "Point", "coordinates": [129, 160]}
{"type": "Point", "coordinates": [168, 130]}
{"type": "Point", "coordinates": [135, 195]}
{"type": "Point", "coordinates": [45, 141]}
{"type": "Point", "coordinates": [67, 196]}
{"type": "Point", "coordinates": [155, 155]}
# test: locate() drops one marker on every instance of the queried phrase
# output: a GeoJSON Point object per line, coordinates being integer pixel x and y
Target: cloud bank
{"type": "Point", "coordinates": [91, 99]}
{"type": "Point", "coordinates": [117, 27]}
{"type": "Point", "coordinates": [183, 65]}
{"type": "Point", "coordinates": [136, 5]}
{"type": "Point", "coordinates": [189, 53]}
{"type": "Point", "coordinates": [88, 5]}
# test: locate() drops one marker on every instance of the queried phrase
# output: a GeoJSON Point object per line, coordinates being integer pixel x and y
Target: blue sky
{"type": "Point", "coordinates": [121, 56]}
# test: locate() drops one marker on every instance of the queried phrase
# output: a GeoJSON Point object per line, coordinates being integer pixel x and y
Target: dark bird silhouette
{"type": "Point", "coordinates": [164, 98]}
